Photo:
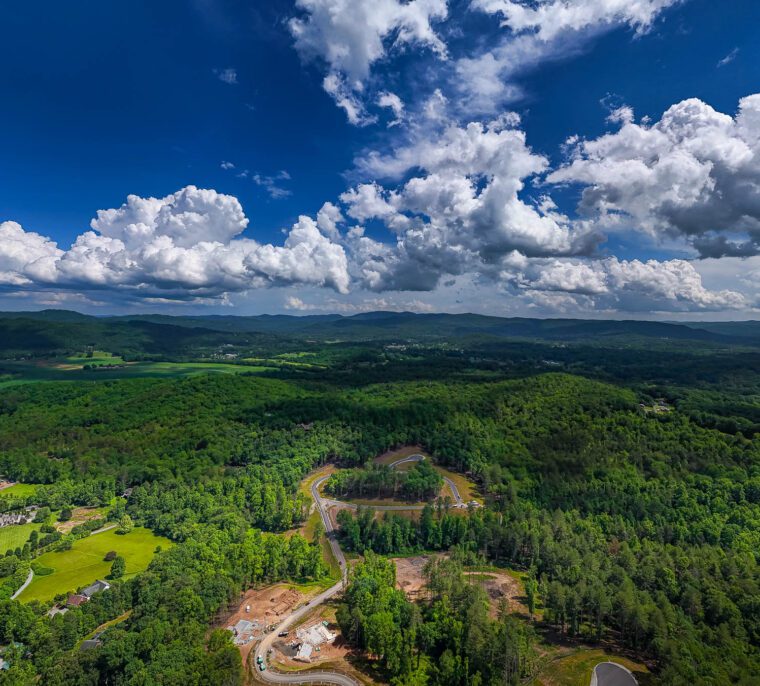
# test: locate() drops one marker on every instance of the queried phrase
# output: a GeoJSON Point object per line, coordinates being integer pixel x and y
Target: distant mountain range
{"type": "Point", "coordinates": [162, 334]}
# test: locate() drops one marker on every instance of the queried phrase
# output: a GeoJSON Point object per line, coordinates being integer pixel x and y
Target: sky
{"type": "Point", "coordinates": [546, 158]}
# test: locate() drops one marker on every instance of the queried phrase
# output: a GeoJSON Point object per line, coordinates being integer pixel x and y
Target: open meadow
{"type": "Point", "coordinates": [84, 563]}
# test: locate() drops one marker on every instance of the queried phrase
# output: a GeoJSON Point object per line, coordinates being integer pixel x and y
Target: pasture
{"type": "Point", "coordinates": [84, 563]}
{"type": "Point", "coordinates": [15, 535]}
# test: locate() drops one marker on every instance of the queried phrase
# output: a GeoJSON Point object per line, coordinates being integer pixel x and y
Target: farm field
{"type": "Point", "coordinates": [84, 563]}
{"type": "Point", "coordinates": [27, 373]}
{"type": "Point", "coordinates": [14, 536]}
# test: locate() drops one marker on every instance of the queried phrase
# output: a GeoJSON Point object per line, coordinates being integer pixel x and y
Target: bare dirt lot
{"type": "Point", "coordinates": [409, 576]}
{"type": "Point", "coordinates": [337, 655]}
{"type": "Point", "coordinates": [501, 587]}
{"type": "Point", "coordinates": [80, 515]}
{"type": "Point", "coordinates": [266, 605]}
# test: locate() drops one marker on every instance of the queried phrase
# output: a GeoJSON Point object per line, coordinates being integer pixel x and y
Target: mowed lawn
{"type": "Point", "coordinates": [15, 535]}
{"type": "Point", "coordinates": [84, 563]}
{"type": "Point", "coordinates": [19, 490]}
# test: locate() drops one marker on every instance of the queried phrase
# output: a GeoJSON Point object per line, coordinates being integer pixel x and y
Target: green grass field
{"type": "Point", "coordinates": [30, 373]}
{"type": "Point", "coordinates": [98, 358]}
{"type": "Point", "coordinates": [84, 563]}
{"type": "Point", "coordinates": [19, 490]}
{"type": "Point", "coordinates": [14, 536]}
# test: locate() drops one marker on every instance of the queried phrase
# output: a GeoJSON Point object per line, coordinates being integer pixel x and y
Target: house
{"type": "Point", "coordinates": [97, 587]}
{"type": "Point", "coordinates": [90, 643]}
{"type": "Point", "coordinates": [304, 652]}
{"type": "Point", "coordinates": [56, 610]}
{"type": "Point", "coordinates": [243, 627]}
{"type": "Point", "coordinates": [76, 599]}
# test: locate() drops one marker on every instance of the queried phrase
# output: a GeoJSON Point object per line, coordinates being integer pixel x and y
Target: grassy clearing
{"type": "Point", "coordinates": [14, 536]}
{"type": "Point", "coordinates": [84, 563]}
{"type": "Point", "coordinates": [466, 488]}
{"type": "Point", "coordinates": [399, 454]}
{"type": "Point", "coordinates": [576, 669]}
{"type": "Point", "coordinates": [19, 490]}
{"type": "Point", "coordinates": [31, 373]}
{"type": "Point", "coordinates": [97, 359]}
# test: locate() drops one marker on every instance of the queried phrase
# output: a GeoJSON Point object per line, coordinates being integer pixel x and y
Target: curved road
{"type": "Point", "coordinates": [268, 640]}
{"type": "Point", "coordinates": [612, 674]}
{"type": "Point", "coordinates": [419, 458]}
{"type": "Point", "coordinates": [28, 581]}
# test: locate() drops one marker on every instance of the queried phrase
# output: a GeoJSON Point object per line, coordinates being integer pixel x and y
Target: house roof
{"type": "Point", "coordinates": [97, 587]}
{"type": "Point", "coordinates": [77, 599]}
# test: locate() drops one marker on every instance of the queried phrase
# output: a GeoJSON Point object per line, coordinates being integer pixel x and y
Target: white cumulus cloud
{"type": "Point", "coordinates": [351, 35]}
{"type": "Point", "coordinates": [183, 246]}
{"type": "Point", "coordinates": [694, 174]}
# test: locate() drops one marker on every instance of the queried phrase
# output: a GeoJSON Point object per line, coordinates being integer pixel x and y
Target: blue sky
{"type": "Point", "coordinates": [274, 109]}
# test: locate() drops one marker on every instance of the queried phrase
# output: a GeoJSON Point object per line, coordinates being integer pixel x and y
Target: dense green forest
{"type": "Point", "coordinates": [623, 477]}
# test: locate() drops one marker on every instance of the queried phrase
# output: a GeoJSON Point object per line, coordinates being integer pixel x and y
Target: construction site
{"type": "Point", "coordinates": [259, 612]}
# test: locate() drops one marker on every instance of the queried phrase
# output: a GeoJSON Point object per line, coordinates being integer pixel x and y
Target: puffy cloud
{"type": "Point", "coordinates": [360, 305]}
{"type": "Point", "coordinates": [694, 173]}
{"type": "Point", "coordinates": [536, 32]}
{"type": "Point", "coordinates": [345, 98]}
{"type": "Point", "coordinates": [392, 102]}
{"type": "Point", "coordinates": [627, 285]}
{"type": "Point", "coordinates": [25, 256]}
{"type": "Point", "coordinates": [185, 245]}
{"type": "Point", "coordinates": [328, 219]}
{"type": "Point", "coordinates": [462, 209]}
{"type": "Point", "coordinates": [351, 35]}
{"type": "Point", "coordinates": [550, 18]}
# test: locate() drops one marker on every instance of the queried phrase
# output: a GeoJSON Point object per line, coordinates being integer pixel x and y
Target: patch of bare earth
{"type": "Point", "coordinates": [79, 515]}
{"type": "Point", "coordinates": [501, 588]}
{"type": "Point", "coordinates": [263, 608]}
{"type": "Point", "coordinates": [409, 574]}
{"type": "Point", "coordinates": [336, 655]}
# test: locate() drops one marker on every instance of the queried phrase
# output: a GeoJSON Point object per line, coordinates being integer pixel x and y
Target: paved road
{"type": "Point", "coordinates": [294, 617]}
{"type": "Point", "coordinates": [381, 508]}
{"type": "Point", "coordinates": [28, 581]}
{"type": "Point", "coordinates": [419, 458]}
{"type": "Point", "coordinates": [322, 504]}
{"type": "Point", "coordinates": [612, 674]}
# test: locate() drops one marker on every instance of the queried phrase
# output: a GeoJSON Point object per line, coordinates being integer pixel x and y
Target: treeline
{"type": "Point", "coordinates": [437, 529]}
{"type": "Point", "coordinates": [420, 482]}
{"type": "Point", "coordinates": [448, 640]}
{"type": "Point", "coordinates": [585, 490]}
{"type": "Point", "coordinates": [598, 578]}
{"type": "Point", "coordinates": [164, 639]}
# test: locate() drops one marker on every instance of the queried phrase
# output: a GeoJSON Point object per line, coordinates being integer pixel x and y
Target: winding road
{"type": "Point", "coordinates": [417, 457]}
{"type": "Point", "coordinates": [318, 677]}
{"type": "Point", "coordinates": [266, 643]}
{"type": "Point", "coordinates": [612, 674]}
